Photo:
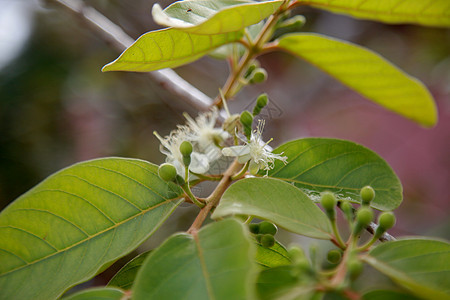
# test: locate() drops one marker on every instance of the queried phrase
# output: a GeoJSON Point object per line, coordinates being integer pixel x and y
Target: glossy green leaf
{"type": "Point", "coordinates": [320, 164]}
{"type": "Point", "coordinates": [367, 73]}
{"type": "Point", "coordinates": [103, 293]}
{"type": "Point", "coordinates": [429, 13]}
{"type": "Point", "coordinates": [285, 283]}
{"type": "Point", "coordinates": [216, 263]}
{"type": "Point", "coordinates": [274, 256]}
{"type": "Point", "coordinates": [168, 48]}
{"type": "Point", "coordinates": [277, 201]}
{"type": "Point", "coordinates": [213, 17]}
{"type": "Point", "coordinates": [65, 229]}
{"type": "Point", "coordinates": [125, 277]}
{"type": "Point", "coordinates": [388, 295]}
{"type": "Point", "coordinates": [421, 265]}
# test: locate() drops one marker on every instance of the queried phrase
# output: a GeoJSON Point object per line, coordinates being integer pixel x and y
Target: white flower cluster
{"type": "Point", "coordinates": [203, 135]}
{"type": "Point", "coordinates": [255, 151]}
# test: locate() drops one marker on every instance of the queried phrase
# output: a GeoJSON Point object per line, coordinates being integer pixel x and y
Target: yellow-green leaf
{"type": "Point", "coordinates": [213, 17]}
{"type": "Point", "coordinates": [168, 48]}
{"type": "Point", "coordinates": [64, 230]}
{"type": "Point", "coordinates": [429, 13]}
{"type": "Point", "coordinates": [367, 73]}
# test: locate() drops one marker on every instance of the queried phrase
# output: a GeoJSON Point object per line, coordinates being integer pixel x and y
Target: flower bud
{"type": "Point", "coordinates": [186, 148]}
{"type": "Point", "coordinates": [247, 121]}
{"type": "Point", "coordinates": [261, 102]}
{"type": "Point", "coordinates": [354, 268]}
{"type": "Point", "coordinates": [364, 215]}
{"type": "Point", "coordinates": [167, 172]}
{"type": "Point", "coordinates": [386, 220]}
{"type": "Point", "coordinates": [334, 256]}
{"type": "Point", "coordinates": [347, 208]}
{"type": "Point", "coordinates": [367, 195]}
{"type": "Point", "coordinates": [267, 240]}
{"type": "Point", "coordinates": [258, 75]}
{"type": "Point", "coordinates": [328, 201]}
{"type": "Point", "coordinates": [251, 68]}
{"type": "Point", "coordinates": [254, 228]}
{"type": "Point", "coordinates": [267, 228]}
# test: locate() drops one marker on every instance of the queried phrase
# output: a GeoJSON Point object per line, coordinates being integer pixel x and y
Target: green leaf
{"type": "Point", "coordinates": [215, 263]}
{"type": "Point", "coordinates": [168, 48]}
{"type": "Point", "coordinates": [103, 293]}
{"type": "Point", "coordinates": [277, 201]}
{"type": "Point", "coordinates": [274, 256]}
{"type": "Point", "coordinates": [320, 164]}
{"type": "Point", "coordinates": [388, 295]}
{"type": "Point", "coordinates": [421, 265]}
{"type": "Point", "coordinates": [125, 277]}
{"type": "Point", "coordinates": [367, 73]}
{"type": "Point", "coordinates": [65, 229]}
{"type": "Point", "coordinates": [213, 17]}
{"type": "Point", "coordinates": [428, 13]}
{"type": "Point", "coordinates": [284, 283]}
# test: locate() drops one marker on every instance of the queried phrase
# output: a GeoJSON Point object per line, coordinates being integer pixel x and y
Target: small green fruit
{"type": "Point", "coordinates": [334, 256]}
{"type": "Point", "coordinates": [167, 172]}
{"type": "Point", "coordinates": [367, 195]}
{"type": "Point", "coordinates": [247, 121]}
{"type": "Point", "coordinates": [386, 220]}
{"type": "Point", "coordinates": [267, 240]}
{"type": "Point", "coordinates": [254, 228]}
{"type": "Point", "coordinates": [258, 75]}
{"type": "Point", "coordinates": [364, 216]}
{"type": "Point", "coordinates": [347, 208]}
{"type": "Point", "coordinates": [186, 148]}
{"type": "Point", "coordinates": [267, 228]}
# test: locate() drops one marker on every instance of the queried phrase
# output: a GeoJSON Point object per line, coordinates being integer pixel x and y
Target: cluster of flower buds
{"type": "Point", "coordinates": [264, 233]}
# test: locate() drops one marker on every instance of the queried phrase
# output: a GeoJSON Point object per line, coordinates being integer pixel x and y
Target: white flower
{"type": "Point", "coordinates": [255, 151]}
{"type": "Point", "coordinates": [203, 134]}
{"type": "Point", "coordinates": [170, 146]}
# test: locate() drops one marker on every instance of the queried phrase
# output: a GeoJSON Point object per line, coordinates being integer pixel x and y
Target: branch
{"type": "Point", "coordinates": [114, 35]}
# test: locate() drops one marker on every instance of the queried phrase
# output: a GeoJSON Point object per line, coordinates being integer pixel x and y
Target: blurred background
{"type": "Point", "coordinates": [57, 108]}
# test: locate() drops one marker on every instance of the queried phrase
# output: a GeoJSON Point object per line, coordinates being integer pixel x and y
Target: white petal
{"type": "Point", "coordinates": [253, 167]}
{"type": "Point", "coordinates": [244, 158]}
{"type": "Point", "coordinates": [236, 150]}
{"type": "Point", "coordinates": [199, 163]}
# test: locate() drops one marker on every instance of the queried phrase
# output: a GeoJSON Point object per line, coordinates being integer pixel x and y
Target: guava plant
{"type": "Point", "coordinates": [77, 222]}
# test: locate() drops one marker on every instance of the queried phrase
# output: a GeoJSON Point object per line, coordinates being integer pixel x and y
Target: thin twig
{"type": "Point", "coordinates": [114, 35]}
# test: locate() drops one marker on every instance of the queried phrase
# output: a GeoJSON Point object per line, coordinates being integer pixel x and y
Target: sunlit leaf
{"type": "Point", "coordinates": [65, 229]}
{"type": "Point", "coordinates": [277, 201]}
{"type": "Point", "coordinates": [429, 13]}
{"type": "Point", "coordinates": [125, 277]}
{"type": "Point", "coordinates": [421, 265]}
{"type": "Point", "coordinates": [213, 17]}
{"type": "Point", "coordinates": [168, 48]}
{"type": "Point", "coordinates": [216, 263]}
{"type": "Point", "coordinates": [343, 167]}
{"type": "Point", "coordinates": [367, 73]}
{"type": "Point", "coordinates": [271, 257]}
{"type": "Point", "coordinates": [103, 293]}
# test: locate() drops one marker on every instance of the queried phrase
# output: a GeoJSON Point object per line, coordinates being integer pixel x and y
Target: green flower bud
{"type": "Point", "coordinates": [328, 201]}
{"type": "Point", "coordinates": [262, 100]}
{"type": "Point", "coordinates": [294, 23]}
{"type": "Point", "coordinates": [334, 256]}
{"type": "Point", "coordinates": [386, 220]}
{"type": "Point", "coordinates": [364, 215]}
{"type": "Point", "coordinates": [254, 228]}
{"type": "Point", "coordinates": [347, 208]}
{"type": "Point", "coordinates": [167, 172]}
{"type": "Point", "coordinates": [267, 240]}
{"type": "Point", "coordinates": [251, 68]}
{"type": "Point", "coordinates": [267, 228]}
{"type": "Point", "coordinates": [258, 75]}
{"type": "Point", "coordinates": [186, 148]}
{"type": "Point", "coordinates": [354, 268]}
{"type": "Point", "coordinates": [296, 254]}
{"type": "Point", "coordinates": [247, 121]}
{"type": "Point", "coordinates": [367, 195]}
